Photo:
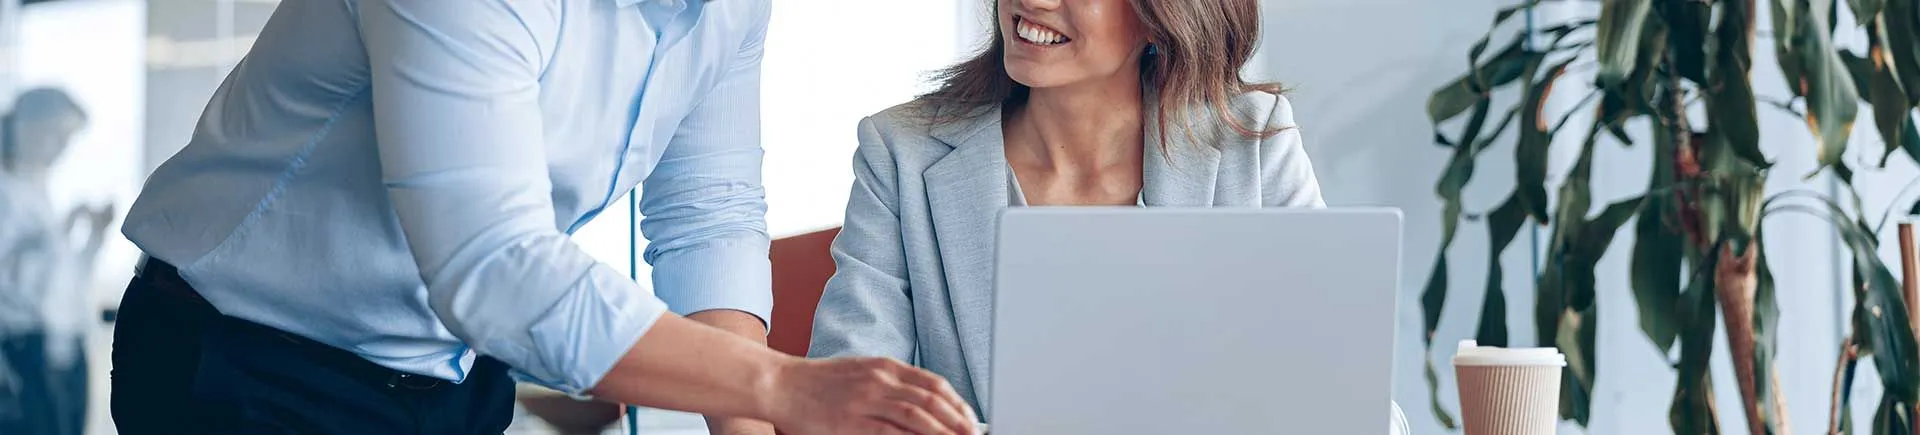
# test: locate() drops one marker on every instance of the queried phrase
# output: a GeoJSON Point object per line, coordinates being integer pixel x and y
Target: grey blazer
{"type": "Point", "coordinates": [915, 258]}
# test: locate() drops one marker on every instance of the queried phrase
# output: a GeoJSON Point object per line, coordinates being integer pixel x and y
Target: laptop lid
{"type": "Point", "coordinates": [1166, 320]}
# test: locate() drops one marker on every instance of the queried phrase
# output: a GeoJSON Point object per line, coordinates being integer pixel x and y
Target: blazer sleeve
{"type": "Point", "coordinates": [866, 309]}
{"type": "Point", "coordinates": [1286, 174]}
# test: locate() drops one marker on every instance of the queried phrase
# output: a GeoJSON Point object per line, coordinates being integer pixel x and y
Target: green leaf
{"type": "Point", "coordinates": [1493, 311]}
{"type": "Point", "coordinates": [1892, 417]}
{"type": "Point", "coordinates": [1576, 340]}
{"type": "Point", "coordinates": [1846, 394]}
{"type": "Point", "coordinates": [1730, 99]}
{"type": "Point", "coordinates": [1881, 313]}
{"type": "Point", "coordinates": [1530, 151]}
{"type": "Point", "coordinates": [1892, 339]}
{"type": "Point", "coordinates": [1910, 140]}
{"type": "Point", "coordinates": [1656, 278]}
{"type": "Point", "coordinates": [1687, 24]}
{"type": "Point", "coordinates": [1881, 425]}
{"type": "Point", "coordinates": [1549, 302]}
{"type": "Point", "coordinates": [1833, 14]}
{"type": "Point", "coordinates": [1619, 36]}
{"type": "Point", "coordinates": [1832, 102]}
{"type": "Point", "coordinates": [1601, 230]}
{"type": "Point", "coordinates": [1462, 93]}
{"type": "Point", "coordinates": [1452, 99]}
{"type": "Point", "coordinates": [1619, 133]}
{"type": "Point", "coordinates": [1460, 167]}
{"type": "Point", "coordinates": [1656, 262]}
{"type": "Point", "coordinates": [1508, 12]}
{"type": "Point", "coordinates": [1865, 8]}
{"type": "Point", "coordinates": [1787, 18]}
{"type": "Point", "coordinates": [1433, 397]}
{"type": "Point", "coordinates": [1860, 70]}
{"type": "Point", "coordinates": [1509, 66]}
{"type": "Point", "coordinates": [1633, 96]}
{"type": "Point", "coordinates": [1432, 300]}
{"type": "Point", "coordinates": [1889, 102]}
{"type": "Point", "coordinates": [1766, 321]}
{"type": "Point", "coordinates": [1503, 224]}
{"type": "Point", "coordinates": [1494, 133]}
{"type": "Point", "coordinates": [1902, 42]}
{"type": "Point", "coordinates": [1692, 411]}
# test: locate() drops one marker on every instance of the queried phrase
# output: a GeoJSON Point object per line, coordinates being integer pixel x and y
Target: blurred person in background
{"type": "Point", "coordinates": [46, 261]}
{"type": "Point", "coordinates": [1094, 103]}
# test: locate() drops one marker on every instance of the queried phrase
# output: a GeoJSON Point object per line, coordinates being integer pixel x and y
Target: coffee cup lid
{"type": "Point", "coordinates": [1472, 354]}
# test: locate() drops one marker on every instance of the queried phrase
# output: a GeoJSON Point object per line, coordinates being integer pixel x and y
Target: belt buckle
{"type": "Point", "coordinates": [412, 381]}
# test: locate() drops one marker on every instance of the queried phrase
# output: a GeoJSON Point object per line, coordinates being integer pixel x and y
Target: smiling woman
{"type": "Point", "coordinates": [1062, 107]}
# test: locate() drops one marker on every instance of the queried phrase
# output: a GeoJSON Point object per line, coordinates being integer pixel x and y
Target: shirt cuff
{"type": "Point", "coordinates": [587, 337]}
{"type": "Point", "coordinates": [721, 274]}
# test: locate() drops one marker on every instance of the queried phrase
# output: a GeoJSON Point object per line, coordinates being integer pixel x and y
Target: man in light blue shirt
{"type": "Point", "coordinates": [370, 228]}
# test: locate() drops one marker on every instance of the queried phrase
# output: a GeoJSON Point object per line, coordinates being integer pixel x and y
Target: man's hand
{"type": "Point", "coordinates": [690, 366]}
{"type": "Point", "coordinates": [865, 396]}
{"type": "Point", "coordinates": [753, 329]}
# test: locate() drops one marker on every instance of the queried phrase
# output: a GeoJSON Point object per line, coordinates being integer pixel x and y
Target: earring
{"type": "Point", "coordinates": [1153, 49]}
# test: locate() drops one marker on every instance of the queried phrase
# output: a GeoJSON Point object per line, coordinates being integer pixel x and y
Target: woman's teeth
{"type": "Point", "coordinates": [1038, 35]}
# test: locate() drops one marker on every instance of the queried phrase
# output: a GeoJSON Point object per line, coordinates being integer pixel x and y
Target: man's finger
{"type": "Point", "coordinates": [953, 417]}
{"type": "Point", "coordinates": [939, 385]}
{"type": "Point", "coordinates": [910, 417]}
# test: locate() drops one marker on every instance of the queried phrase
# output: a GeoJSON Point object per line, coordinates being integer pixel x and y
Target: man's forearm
{"type": "Point", "coordinates": [753, 329]}
{"type": "Point", "coordinates": [687, 365]}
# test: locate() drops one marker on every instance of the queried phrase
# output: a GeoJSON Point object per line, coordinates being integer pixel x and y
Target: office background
{"type": "Point", "coordinates": [1360, 71]}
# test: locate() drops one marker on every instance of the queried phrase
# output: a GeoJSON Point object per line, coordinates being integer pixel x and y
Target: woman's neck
{"type": "Point", "coordinates": [1083, 127]}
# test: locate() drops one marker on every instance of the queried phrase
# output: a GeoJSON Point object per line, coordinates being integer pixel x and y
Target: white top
{"type": "Point", "coordinates": [42, 278]}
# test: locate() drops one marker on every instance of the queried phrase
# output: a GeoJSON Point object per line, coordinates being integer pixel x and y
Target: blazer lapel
{"type": "Point", "coordinates": [1181, 174]}
{"type": "Point", "coordinates": [966, 190]}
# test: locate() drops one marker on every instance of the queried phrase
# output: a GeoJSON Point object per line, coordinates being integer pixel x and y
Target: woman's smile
{"type": "Point", "coordinates": [1037, 34]}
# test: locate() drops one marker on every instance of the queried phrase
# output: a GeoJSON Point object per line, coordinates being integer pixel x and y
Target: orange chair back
{"type": "Point", "coordinates": [801, 266]}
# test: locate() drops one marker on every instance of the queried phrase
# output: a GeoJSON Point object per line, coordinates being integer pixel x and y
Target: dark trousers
{"type": "Point", "coordinates": [180, 367]}
{"type": "Point", "coordinates": [49, 400]}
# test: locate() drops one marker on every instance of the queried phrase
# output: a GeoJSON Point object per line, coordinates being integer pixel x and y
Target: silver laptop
{"type": "Point", "coordinates": [1194, 321]}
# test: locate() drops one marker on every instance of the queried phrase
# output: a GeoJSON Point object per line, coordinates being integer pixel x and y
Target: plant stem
{"type": "Point", "coordinates": [1909, 287]}
{"type": "Point", "coordinates": [1847, 354]}
{"type": "Point", "coordinates": [1734, 283]}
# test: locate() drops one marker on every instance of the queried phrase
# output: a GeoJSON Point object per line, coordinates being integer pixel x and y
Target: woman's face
{"type": "Point", "coordinates": [1052, 43]}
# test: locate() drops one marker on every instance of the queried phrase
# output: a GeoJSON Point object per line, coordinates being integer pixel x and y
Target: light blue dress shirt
{"type": "Point", "coordinates": [398, 178]}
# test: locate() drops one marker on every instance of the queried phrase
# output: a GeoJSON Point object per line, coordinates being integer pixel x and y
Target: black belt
{"type": "Point", "coordinates": [166, 278]}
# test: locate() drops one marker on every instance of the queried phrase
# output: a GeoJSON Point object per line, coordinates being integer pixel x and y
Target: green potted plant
{"type": "Point", "coordinates": [1698, 245]}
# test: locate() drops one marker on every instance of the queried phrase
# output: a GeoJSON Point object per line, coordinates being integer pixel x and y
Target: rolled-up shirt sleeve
{"type": "Point", "coordinates": [704, 207]}
{"type": "Point", "coordinates": [455, 94]}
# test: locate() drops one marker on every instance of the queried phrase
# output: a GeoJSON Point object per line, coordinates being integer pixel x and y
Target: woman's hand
{"type": "Point", "coordinates": [865, 396]}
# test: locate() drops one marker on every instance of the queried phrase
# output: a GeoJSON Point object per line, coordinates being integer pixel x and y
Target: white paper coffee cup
{"type": "Point", "coordinates": [1508, 391]}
